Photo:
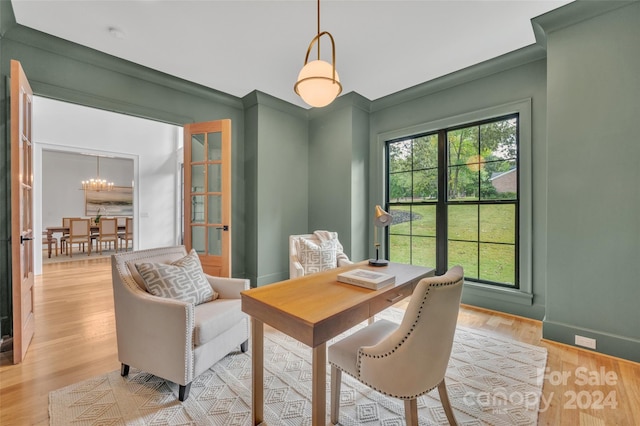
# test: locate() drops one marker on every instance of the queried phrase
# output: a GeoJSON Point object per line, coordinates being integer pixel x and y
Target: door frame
{"type": "Point", "coordinates": [37, 179]}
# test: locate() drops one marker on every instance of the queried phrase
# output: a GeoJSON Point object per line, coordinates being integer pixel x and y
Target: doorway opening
{"type": "Point", "coordinates": [138, 153]}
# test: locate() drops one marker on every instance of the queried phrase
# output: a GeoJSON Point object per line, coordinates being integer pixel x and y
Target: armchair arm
{"type": "Point", "coordinates": [295, 268]}
{"type": "Point", "coordinates": [228, 288]}
{"type": "Point", "coordinates": [154, 333]}
{"type": "Point", "coordinates": [342, 259]}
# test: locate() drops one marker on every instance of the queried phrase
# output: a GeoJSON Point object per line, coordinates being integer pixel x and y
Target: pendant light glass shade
{"type": "Point", "coordinates": [316, 85]}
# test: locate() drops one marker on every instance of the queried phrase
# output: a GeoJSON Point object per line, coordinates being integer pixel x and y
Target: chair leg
{"type": "Point", "coordinates": [124, 370]}
{"type": "Point", "coordinates": [244, 346]}
{"type": "Point", "coordinates": [411, 411]}
{"type": "Point", "coordinates": [444, 398]}
{"type": "Point", "coordinates": [336, 381]}
{"type": "Point", "coordinates": [183, 392]}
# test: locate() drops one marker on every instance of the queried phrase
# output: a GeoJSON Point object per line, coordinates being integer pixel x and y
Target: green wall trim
{"type": "Point", "coordinates": [571, 14]}
{"type": "Point", "coordinates": [499, 64]}
{"type": "Point", "coordinates": [499, 293]}
{"type": "Point", "coordinates": [7, 17]}
{"type": "Point", "coordinates": [606, 343]}
{"type": "Point", "coordinates": [502, 300]}
{"type": "Point", "coordinates": [257, 97]}
{"type": "Point", "coordinates": [487, 301]}
{"type": "Point", "coordinates": [270, 278]}
{"type": "Point", "coordinates": [64, 48]}
{"type": "Point", "coordinates": [351, 99]}
{"type": "Point", "coordinates": [109, 104]}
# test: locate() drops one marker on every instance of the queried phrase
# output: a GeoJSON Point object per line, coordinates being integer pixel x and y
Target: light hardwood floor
{"type": "Point", "coordinates": [75, 340]}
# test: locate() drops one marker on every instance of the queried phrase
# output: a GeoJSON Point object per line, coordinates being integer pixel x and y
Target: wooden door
{"type": "Point", "coordinates": [207, 189]}
{"type": "Point", "coordinates": [22, 250]}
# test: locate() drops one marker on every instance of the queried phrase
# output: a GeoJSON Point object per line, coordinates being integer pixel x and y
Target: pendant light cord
{"type": "Point", "coordinates": [318, 29]}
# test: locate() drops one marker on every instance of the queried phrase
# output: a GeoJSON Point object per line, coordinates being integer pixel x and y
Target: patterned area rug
{"type": "Point", "coordinates": [491, 380]}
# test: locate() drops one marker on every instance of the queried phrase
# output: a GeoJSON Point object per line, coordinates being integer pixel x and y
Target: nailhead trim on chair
{"type": "Point", "coordinates": [400, 344]}
{"type": "Point", "coordinates": [128, 279]}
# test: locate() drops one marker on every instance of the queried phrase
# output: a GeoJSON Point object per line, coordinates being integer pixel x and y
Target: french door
{"type": "Point", "coordinates": [22, 250]}
{"type": "Point", "coordinates": [207, 190]}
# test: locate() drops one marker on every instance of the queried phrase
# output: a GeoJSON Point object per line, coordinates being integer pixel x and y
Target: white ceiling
{"type": "Point", "coordinates": [240, 46]}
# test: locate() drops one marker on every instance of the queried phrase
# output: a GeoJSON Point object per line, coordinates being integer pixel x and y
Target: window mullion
{"type": "Point", "coordinates": [441, 207]}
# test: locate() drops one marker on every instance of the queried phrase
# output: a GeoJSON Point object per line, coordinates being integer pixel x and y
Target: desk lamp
{"type": "Point", "coordinates": [381, 219]}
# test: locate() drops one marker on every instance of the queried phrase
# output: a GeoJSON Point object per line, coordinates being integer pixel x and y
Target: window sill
{"type": "Point", "coordinates": [520, 297]}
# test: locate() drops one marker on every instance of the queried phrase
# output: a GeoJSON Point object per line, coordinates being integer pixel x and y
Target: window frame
{"type": "Point", "coordinates": [522, 294]}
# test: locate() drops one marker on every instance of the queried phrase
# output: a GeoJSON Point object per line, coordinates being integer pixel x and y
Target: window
{"type": "Point", "coordinates": [454, 197]}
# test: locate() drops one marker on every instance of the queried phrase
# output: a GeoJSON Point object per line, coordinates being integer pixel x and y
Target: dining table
{"type": "Point", "coordinates": [51, 230]}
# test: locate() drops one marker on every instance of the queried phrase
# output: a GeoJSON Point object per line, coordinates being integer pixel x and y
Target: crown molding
{"type": "Point", "coordinates": [60, 47]}
{"type": "Point", "coordinates": [571, 14]}
{"type": "Point", "coordinates": [496, 65]}
{"type": "Point", "coordinates": [257, 97]}
{"type": "Point", "coordinates": [351, 99]}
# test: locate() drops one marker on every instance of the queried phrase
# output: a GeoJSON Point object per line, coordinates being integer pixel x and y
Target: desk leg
{"type": "Point", "coordinates": [319, 386]}
{"type": "Point", "coordinates": [257, 365]}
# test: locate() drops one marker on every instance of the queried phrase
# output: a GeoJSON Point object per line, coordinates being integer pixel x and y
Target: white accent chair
{"type": "Point", "coordinates": [300, 266]}
{"type": "Point", "coordinates": [169, 338]}
{"type": "Point", "coordinates": [408, 360]}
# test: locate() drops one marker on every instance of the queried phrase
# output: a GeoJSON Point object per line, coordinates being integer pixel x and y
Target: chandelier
{"type": "Point", "coordinates": [318, 82]}
{"type": "Point", "coordinates": [97, 184]}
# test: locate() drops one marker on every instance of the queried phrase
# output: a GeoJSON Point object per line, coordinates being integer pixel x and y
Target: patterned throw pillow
{"type": "Point", "coordinates": [183, 280]}
{"type": "Point", "coordinates": [316, 256]}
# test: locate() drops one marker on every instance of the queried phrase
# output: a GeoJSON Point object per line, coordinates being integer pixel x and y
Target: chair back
{"type": "Point", "coordinates": [417, 353]}
{"type": "Point", "coordinates": [128, 228]}
{"type": "Point", "coordinates": [126, 276]}
{"type": "Point", "coordinates": [79, 228]}
{"type": "Point", "coordinates": [309, 253]}
{"type": "Point", "coordinates": [66, 221]}
{"type": "Point", "coordinates": [108, 227]}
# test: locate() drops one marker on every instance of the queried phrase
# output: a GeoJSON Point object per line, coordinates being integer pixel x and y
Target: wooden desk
{"type": "Point", "coordinates": [313, 309]}
{"type": "Point", "coordinates": [65, 229]}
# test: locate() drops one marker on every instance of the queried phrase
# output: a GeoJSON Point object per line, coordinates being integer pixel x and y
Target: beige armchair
{"type": "Point", "coordinates": [320, 251]}
{"type": "Point", "coordinates": [408, 360]}
{"type": "Point", "coordinates": [169, 338]}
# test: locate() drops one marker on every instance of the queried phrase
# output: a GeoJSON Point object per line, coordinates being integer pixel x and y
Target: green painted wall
{"type": "Point", "coordinates": [5, 212]}
{"type": "Point", "coordinates": [276, 183]}
{"type": "Point", "coordinates": [68, 72]}
{"type": "Point", "coordinates": [593, 257]}
{"type": "Point", "coordinates": [338, 172]}
{"type": "Point", "coordinates": [295, 171]}
{"type": "Point", "coordinates": [502, 81]}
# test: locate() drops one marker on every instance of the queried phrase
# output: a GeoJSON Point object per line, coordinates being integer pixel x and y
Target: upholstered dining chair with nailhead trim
{"type": "Point", "coordinates": [408, 360]}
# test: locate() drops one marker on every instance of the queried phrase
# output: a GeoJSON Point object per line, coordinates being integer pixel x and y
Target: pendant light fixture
{"type": "Point", "coordinates": [97, 184]}
{"type": "Point", "coordinates": [318, 82]}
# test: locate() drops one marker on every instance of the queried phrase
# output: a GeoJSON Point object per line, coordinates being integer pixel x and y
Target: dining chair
{"type": "Point", "coordinates": [54, 241]}
{"type": "Point", "coordinates": [408, 360]}
{"type": "Point", "coordinates": [66, 223]}
{"type": "Point", "coordinates": [79, 233]}
{"type": "Point", "coordinates": [127, 235]}
{"type": "Point", "coordinates": [107, 233]}
{"type": "Point", "coordinates": [122, 220]}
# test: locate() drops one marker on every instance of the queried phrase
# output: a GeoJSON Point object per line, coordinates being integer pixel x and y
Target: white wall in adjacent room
{"type": "Point", "coordinates": [62, 173]}
{"type": "Point", "coordinates": [150, 147]}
